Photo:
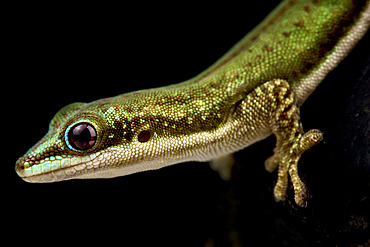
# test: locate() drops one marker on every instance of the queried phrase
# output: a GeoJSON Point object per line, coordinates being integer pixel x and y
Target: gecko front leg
{"type": "Point", "coordinates": [278, 109]}
{"type": "Point", "coordinates": [291, 141]}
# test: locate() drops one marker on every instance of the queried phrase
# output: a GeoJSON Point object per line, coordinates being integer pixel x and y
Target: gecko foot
{"type": "Point", "coordinates": [287, 161]}
{"type": "Point", "coordinates": [272, 162]}
{"type": "Point", "coordinates": [291, 142]}
{"type": "Point", "coordinates": [223, 165]}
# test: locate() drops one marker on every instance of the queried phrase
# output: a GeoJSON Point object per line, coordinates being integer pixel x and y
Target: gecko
{"type": "Point", "coordinates": [253, 91]}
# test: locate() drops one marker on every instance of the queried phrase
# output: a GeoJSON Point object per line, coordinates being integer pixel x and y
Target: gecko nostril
{"type": "Point", "coordinates": [20, 167]}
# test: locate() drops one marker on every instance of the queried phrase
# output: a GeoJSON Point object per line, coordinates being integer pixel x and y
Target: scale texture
{"type": "Point", "coordinates": [253, 91]}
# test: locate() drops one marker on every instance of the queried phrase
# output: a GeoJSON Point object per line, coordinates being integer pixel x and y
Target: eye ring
{"type": "Point", "coordinates": [81, 136]}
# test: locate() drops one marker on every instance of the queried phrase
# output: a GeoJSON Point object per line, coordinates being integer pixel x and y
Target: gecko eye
{"type": "Point", "coordinates": [82, 136]}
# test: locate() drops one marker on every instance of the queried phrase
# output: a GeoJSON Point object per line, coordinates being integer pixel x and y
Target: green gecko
{"type": "Point", "coordinates": [253, 91]}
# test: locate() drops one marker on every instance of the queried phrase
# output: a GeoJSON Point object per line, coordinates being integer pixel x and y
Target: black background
{"type": "Point", "coordinates": [64, 53]}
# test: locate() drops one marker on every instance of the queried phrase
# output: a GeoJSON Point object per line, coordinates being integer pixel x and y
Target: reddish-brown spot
{"type": "Point", "coordinates": [128, 109]}
{"type": "Point", "coordinates": [206, 91]}
{"type": "Point", "coordinates": [299, 24]}
{"type": "Point", "coordinates": [287, 34]}
{"type": "Point", "coordinates": [178, 97]}
{"type": "Point", "coordinates": [212, 84]}
{"type": "Point", "coordinates": [267, 48]}
{"type": "Point", "coordinates": [307, 8]}
{"type": "Point", "coordinates": [254, 38]}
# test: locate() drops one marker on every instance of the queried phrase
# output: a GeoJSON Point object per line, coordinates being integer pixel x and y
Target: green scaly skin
{"type": "Point", "coordinates": [253, 91]}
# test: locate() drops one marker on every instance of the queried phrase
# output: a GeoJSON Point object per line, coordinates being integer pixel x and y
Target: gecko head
{"type": "Point", "coordinates": [86, 142]}
{"type": "Point", "coordinates": [100, 140]}
{"type": "Point", "coordinates": [71, 133]}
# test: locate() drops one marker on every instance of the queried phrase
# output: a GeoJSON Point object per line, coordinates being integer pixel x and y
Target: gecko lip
{"type": "Point", "coordinates": [52, 176]}
{"type": "Point", "coordinates": [47, 172]}
{"type": "Point", "coordinates": [55, 176]}
{"type": "Point", "coordinates": [92, 166]}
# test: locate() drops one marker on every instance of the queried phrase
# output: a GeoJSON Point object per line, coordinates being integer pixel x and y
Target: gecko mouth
{"type": "Point", "coordinates": [49, 177]}
{"type": "Point", "coordinates": [78, 168]}
{"type": "Point", "coordinates": [48, 170]}
{"type": "Point", "coordinates": [32, 174]}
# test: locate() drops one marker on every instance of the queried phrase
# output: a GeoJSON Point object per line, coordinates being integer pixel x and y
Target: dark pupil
{"type": "Point", "coordinates": [82, 136]}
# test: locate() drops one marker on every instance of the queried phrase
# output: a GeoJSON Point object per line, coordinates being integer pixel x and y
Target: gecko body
{"type": "Point", "coordinates": [253, 91]}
